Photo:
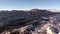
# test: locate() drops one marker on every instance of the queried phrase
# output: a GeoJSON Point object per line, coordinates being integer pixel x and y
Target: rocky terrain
{"type": "Point", "coordinates": [34, 21]}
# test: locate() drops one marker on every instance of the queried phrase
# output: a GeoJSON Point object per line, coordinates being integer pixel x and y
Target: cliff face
{"type": "Point", "coordinates": [29, 22]}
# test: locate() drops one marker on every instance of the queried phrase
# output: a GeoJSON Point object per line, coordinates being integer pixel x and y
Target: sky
{"type": "Point", "coordinates": [29, 4]}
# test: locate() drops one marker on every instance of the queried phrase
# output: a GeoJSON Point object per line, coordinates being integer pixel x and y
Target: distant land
{"type": "Point", "coordinates": [52, 10]}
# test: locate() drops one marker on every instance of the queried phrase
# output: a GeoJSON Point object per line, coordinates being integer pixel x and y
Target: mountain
{"type": "Point", "coordinates": [35, 21]}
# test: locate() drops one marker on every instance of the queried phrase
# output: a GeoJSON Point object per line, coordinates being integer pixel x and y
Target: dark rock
{"type": "Point", "coordinates": [18, 19]}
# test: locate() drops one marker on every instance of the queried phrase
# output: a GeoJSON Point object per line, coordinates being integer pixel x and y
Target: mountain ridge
{"type": "Point", "coordinates": [23, 22]}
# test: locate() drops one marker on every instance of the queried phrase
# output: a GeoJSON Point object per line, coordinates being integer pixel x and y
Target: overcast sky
{"type": "Point", "coordinates": [29, 4]}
